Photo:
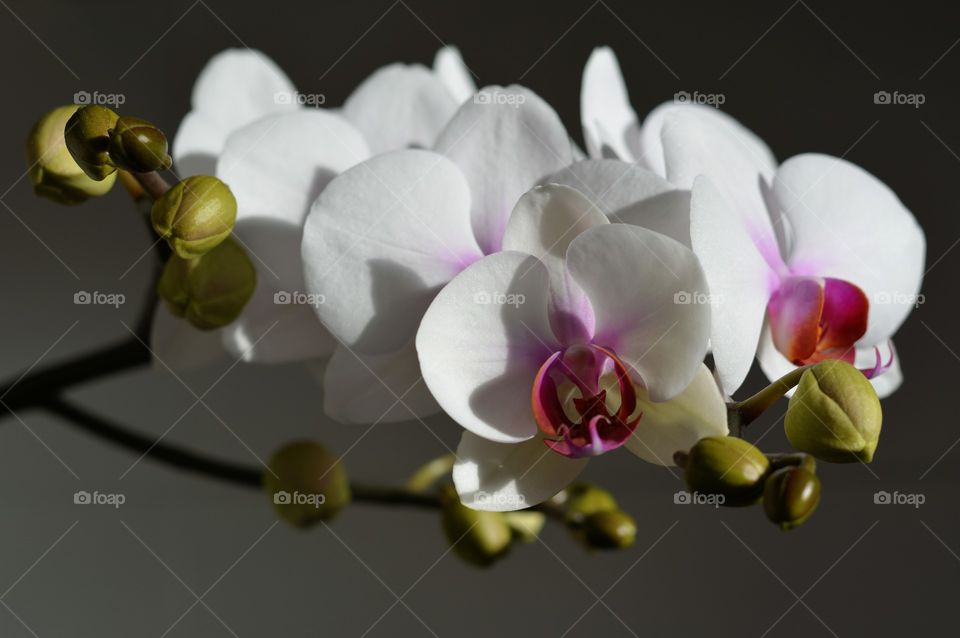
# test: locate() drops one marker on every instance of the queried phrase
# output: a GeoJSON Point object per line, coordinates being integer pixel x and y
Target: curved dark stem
{"type": "Point", "coordinates": [153, 184]}
{"type": "Point", "coordinates": [393, 496]}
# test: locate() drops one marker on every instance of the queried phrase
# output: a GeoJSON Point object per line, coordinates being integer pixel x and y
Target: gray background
{"type": "Point", "coordinates": [802, 75]}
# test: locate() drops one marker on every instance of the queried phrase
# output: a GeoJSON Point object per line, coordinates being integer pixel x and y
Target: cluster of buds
{"type": "Point", "coordinates": [75, 153]}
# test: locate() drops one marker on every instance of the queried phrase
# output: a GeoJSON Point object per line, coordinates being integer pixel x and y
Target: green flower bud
{"type": "Point", "coordinates": [584, 499]}
{"type": "Point", "coordinates": [525, 524]}
{"type": "Point", "coordinates": [195, 215]}
{"type": "Point", "coordinates": [612, 529]}
{"type": "Point", "coordinates": [138, 146]}
{"type": "Point", "coordinates": [209, 291]}
{"type": "Point", "coordinates": [53, 171]}
{"type": "Point", "coordinates": [480, 538]}
{"type": "Point", "coordinates": [727, 466]}
{"type": "Point", "coordinates": [306, 483]}
{"type": "Point", "coordinates": [790, 496]}
{"type": "Point", "coordinates": [835, 414]}
{"type": "Point", "coordinates": [87, 134]}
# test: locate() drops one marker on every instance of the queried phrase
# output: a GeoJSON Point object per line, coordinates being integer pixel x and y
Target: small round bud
{"type": "Point", "coordinates": [584, 499]}
{"type": "Point", "coordinates": [138, 146]}
{"type": "Point", "coordinates": [612, 529]}
{"type": "Point", "coordinates": [525, 524]}
{"type": "Point", "coordinates": [790, 496]}
{"type": "Point", "coordinates": [53, 171]}
{"type": "Point", "coordinates": [727, 466]}
{"type": "Point", "coordinates": [87, 134]}
{"type": "Point", "coordinates": [209, 291]}
{"type": "Point", "coordinates": [835, 414]}
{"type": "Point", "coordinates": [480, 538]}
{"type": "Point", "coordinates": [306, 483]}
{"type": "Point", "coordinates": [195, 215]}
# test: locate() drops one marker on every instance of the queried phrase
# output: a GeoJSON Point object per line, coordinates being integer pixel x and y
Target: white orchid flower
{"type": "Point", "coordinates": [567, 344]}
{"type": "Point", "coordinates": [250, 128]}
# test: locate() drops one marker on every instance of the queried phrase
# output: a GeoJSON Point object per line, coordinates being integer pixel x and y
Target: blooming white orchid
{"type": "Point", "coordinates": [810, 260]}
{"type": "Point", "coordinates": [251, 129]}
{"type": "Point", "coordinates": [555, 350]}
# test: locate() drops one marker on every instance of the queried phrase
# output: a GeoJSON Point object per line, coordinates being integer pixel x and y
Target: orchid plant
{"type": "Point", "coordinates": [434, 248]}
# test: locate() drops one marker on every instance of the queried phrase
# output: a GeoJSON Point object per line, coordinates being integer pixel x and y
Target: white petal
{"type": "Point", "coordinates": [637, 281]}
{"type": "Point", "coordinates": [178, 345]}
{"type": "Point", "coordinates": [400, 106]}
{"type": "Point", "coordinates": [236, 87]}
{"type": "Point", "coordinates": [740, 282]}
{"type": "Point", "coordinates": [369, 389]}
{"type": "Point", "coordinates": [610, 125]}
{"type": "Point", "coordinates": [449, 66]}
{"type": "Point", "coordinates": [278, 165]}
{"type": "Point", "coordinates": [651, 144]}
{"type": "Point", "coordinates": [381, 240]}
{"type": "Point", "coordinates": [847, 224]}
{"type": "Point", "coordinates": [695, 143]}
{"type": "Point", "coordinates": [482, 342]}
{"type": "Point", "coordinates": [505, 140]}
{"type": "Point", "coordinates": [677, 424]}
{"type": "Point", "coordinates": [503, 477]}
{"type": "Point", "coordinates": [629, 194]}
{"type": "Point", "coordinates": [544, 222]}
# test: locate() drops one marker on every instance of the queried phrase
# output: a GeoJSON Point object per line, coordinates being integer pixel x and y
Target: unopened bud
{"type": "Point", "coordinates": [479, 537]}
{"type": "Point", "coordinates": [87, 135]}
{"type": "Point", "coordinates": [307, 483]}
{"type": "Point", "coordinates": [585, 499]}
{"type": "Point", "coordinates": [53, 171]}
{"type": "Point", "coordinates": [835, 414]}
{"type": "Point", "coordinates": [614, 529]}
{"type": "Point", "coordinates": [209, 291]}
{"type": "Point", "coordinates": [725, 465]}
{"type": "Point", "coordinates": [790, 496]}
{"type": "Point", "coordinates": [138, 146]}
{"type": "Point", "coordinates": [195, 215]}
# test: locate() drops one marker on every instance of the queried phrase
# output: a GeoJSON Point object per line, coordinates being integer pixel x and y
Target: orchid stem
{"type": "Point", "coordinates": [743, 413]}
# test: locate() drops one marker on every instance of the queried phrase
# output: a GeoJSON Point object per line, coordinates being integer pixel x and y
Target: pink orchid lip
{"type": "Point", "coordinates": [812, 319]}
{"type": "Point", "coordinates": [596, 430]}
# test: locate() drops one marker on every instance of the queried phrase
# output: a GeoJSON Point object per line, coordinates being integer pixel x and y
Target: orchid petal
{"type": "Point", "coordinates": [610, 125]}
{"type": "Point", "coordinates": [448, 65]}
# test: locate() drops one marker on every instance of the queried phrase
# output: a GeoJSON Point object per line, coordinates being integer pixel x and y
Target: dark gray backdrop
{"type": "Point", "coordinates": [802, 75]}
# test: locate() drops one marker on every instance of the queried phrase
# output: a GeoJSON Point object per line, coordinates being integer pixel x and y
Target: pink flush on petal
{"type": "Point", "coordinates": [812, 319]}
{"type": "Point", "coordinates": [583, 425]}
